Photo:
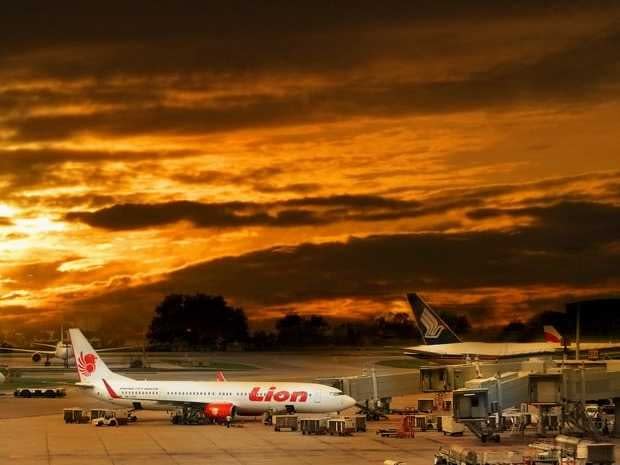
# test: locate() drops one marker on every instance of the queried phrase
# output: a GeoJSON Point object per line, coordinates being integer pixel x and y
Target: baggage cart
{"type": "Point", "coordinates": [313, 425]}
{"type": "Point", "coordinates": [340, 426]}
{"type": "Point", "coordinates": [359, 422]}
{"type": "Point", "coordinates": [75, 415]}
{"type": "Point", "coordinates": [282, 422]}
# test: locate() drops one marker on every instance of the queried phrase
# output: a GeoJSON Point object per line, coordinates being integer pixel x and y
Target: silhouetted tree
{"type": "Point", "coordinates": [397, 325]}
{"type": "Point", "coordinates": [290, 328]}
{"type": "Point", "coordinates": [515, 331]}
{"type": "Point", "coordinates": [197, 321]}
{"type": "Point", "coordinates": [459, 323]}
{"type": "Point", "coordinates": [263, 340]}
{"type": "Point", "coordinates": [294, 330]}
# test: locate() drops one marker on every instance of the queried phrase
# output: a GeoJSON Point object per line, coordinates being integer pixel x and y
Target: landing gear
{"type": "Point", "coordinates": [189, 416]}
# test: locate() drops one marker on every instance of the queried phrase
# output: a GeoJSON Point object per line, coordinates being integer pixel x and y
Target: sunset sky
{"type": "Point", "coordinates": [322, 159]}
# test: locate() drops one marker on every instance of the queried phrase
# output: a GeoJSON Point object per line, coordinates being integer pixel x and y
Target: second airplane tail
{"type": "Point", "coordinates": [432, 328]}
{"type": "Point", "coordinates": [89, 365]}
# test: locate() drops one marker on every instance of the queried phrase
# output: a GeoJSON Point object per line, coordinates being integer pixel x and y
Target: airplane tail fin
{"type": "Point", "coordinates": [432, 328]}
{"type": "Point", "coordinates": [219, 376]}
{"type": "Point", "coordinates": [552, 334]}
{"type": "Point", "coordinates": [90, 366]}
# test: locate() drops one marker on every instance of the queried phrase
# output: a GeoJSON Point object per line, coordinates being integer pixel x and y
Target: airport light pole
{"type": "Point", "coordinates": [578, 331]}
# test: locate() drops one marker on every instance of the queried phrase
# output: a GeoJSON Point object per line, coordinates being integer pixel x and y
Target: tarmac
{"type": "Point", "coordinates": [32, 431]}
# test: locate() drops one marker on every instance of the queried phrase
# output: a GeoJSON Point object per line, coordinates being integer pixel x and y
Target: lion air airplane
{"type": "Point", "coordinates": [443, 345]}
{"type": "Point", "coordinates": [217, 399]}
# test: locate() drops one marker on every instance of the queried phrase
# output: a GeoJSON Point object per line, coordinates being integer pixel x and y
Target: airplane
{"type": "Point", "coordinates": [61, 350]}
{"type": "Point", "coordinates": [443, 345]}
{"type": "Point", "coordinates": [219, 401]}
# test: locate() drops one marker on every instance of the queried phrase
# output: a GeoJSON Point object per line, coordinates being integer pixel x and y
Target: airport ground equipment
{"type": "Point", "coordinates": [342, 426]}
{"type": "Point", "coordinates": [313, 425]}
{"type": "Point", "coordinates": [188, 416]}
{"type": "Point", "coordinates": [457, 455]}
{"type": "Point", "coordinates": [576, 450]}
{"type": "Point", "coordinates": [285, 422]}
{"type": "Point", "coordinates": [75, 415]}
{"type": "Point", "coordinates": [359, 421]}
{"type": "Point", "coordinates": [404, 411]}
{"type": "Point", "coordinates": [423, 421]}
{"type": "Point", "coordinates": [109, 417]}
{"type": "Point", "coordinates": [449, 426]}
{"type": "Point", "coordinates": [407, 426]}
{"type": "Point", "coordinates": [376, 409]}
{"type": "Point", "coordinates": [388, 433]}
{"type": "Point", "coordinates": [40, 392]}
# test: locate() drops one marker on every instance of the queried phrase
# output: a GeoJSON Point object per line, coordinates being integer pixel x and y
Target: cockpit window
{"type": "Point", "coordinates": [337, 393]}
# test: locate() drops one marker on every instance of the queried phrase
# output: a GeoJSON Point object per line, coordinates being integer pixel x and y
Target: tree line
{"type": "Point", "coordinates": [205, 322]}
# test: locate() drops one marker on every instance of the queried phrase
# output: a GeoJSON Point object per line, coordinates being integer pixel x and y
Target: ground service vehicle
{"type": "Point", "coordinates": [109, 417]}
{"type": "Point", "coordinates": [40, 392]}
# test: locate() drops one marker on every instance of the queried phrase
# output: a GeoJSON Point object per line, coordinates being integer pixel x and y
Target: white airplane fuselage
{"type": "Point", "coordinates": [248, 398]}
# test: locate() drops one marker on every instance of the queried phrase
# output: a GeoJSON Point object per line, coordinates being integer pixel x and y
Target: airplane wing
{"type": "Point", "coordinates": [44, 345]}
{"type": "Point", "coordinates": [482, 350]}
{"type": "Point", "coordinates": [112, 349]}
{"type": "Point", "coordinates": [29, 351]}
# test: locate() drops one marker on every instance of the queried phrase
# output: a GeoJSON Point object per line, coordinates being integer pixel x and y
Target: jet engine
{"type": "Point", "coordinates": [36, 357]}
{"type": "Point", "coordinates": [220, 413]}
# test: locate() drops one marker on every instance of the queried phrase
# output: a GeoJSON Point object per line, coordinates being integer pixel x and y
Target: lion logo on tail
{"type": "Point", "coordinates": [87, 364]}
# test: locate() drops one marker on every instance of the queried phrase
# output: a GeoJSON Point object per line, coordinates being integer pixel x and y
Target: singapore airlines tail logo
{"type": "Point", "coordinates": [431, 324]}
{"type": "Point", "coordinates": [87, 364]}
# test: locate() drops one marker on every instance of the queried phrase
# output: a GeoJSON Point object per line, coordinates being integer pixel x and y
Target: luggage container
{"type": "Point", "coordinates": [340, 426]}
{"type": "Point", "coordinates": [75, 415]}
{"type": "Point", "coordinates": [359, 422]}
{"type": "Point", "coordinates": [451, 427]}
{"type": "Point", "coordinates": [423, 422]}
{"type": "Point", "coordinates": [314, 425]}
{"type": "Point", "coordinates": [281, 422]}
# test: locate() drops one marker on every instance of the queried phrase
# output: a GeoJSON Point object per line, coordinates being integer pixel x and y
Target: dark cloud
{"type": "Point", "coordinates": [565, 246]}
{"type": "Point", "coordinates": [584, 69]}
{"type": "Point", "coordinates": [238, 37]}
{"type": "Point", "coordinates": [294, 212]}
{"type": "Point", "coordinates": [28, 167]}
{"type": "Point", "coordinates": [260, 180]}
{"type": "Point", "coordinates": [36, 275]}
{"type": "Point", "coordinates": [296, 188]}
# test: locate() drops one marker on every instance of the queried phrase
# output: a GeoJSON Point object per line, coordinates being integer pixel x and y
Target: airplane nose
{"type": "Point", "coordinates": [349, 402]}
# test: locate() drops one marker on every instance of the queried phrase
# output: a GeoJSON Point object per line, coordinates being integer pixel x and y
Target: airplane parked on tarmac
{"type": "Point", "coordinates": [443, 345]}
{"type": "Point", "coordinates": [218, 401]}
{"type": "Point", "coordinates": [61, 351]}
